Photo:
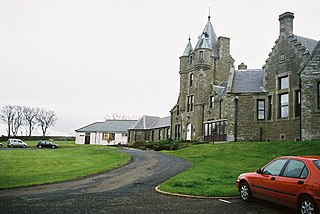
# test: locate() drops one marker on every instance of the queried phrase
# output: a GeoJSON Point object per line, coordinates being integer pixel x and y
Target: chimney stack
{"type": "Point", "coordinates": [286, 24]}
{"type": "Point", "coordinates": [242, 66]}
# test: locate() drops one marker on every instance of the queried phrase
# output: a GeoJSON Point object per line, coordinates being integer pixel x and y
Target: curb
{"type": "Point", "coordinates": [191, 196]}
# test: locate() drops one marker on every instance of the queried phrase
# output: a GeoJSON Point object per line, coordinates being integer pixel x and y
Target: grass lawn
{"type": "Point", "coordinates": [25, 167]}
{"type": "Point", "coordinates": [215, 167]}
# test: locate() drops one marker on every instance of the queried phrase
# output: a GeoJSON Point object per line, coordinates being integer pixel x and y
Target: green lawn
{"type": "Point", "coordinates": [215, 167]}
{"type": "Point", "coordinates": [25, 167]}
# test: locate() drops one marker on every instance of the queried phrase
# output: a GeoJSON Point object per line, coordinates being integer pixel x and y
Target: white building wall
{"type": "Point", "coordinates": [80, 137]}
{"type": "Point", "coordinates": [96, 138]}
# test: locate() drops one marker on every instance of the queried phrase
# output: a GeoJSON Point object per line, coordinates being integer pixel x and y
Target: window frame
{"type": "Point", "coordinates": [190, 103]}
{"type": "Point", "coordinates": [191, 78]}
{"type": "Point", "coordinates": [270, 105]}
{"type": "Point", "coordinates": [258, 110]}
{"type": "Point", "coordinates": [211, 102]}
{"type": "Point", "coordinates": [297, 103]}
{"type": "Point", "coordinates": [201, 55]}
{"type": "Point", "coordinates": [281, 82]}
{"type": "Point", "coordinates": [283, 105]}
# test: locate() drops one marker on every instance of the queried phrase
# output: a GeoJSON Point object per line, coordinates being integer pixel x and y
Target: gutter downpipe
{"type": "Point", "coordinates": [236, 119]}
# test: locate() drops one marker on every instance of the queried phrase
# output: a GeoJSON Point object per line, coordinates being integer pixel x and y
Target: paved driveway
{"type": "Point", "coordinates": [129, 189]}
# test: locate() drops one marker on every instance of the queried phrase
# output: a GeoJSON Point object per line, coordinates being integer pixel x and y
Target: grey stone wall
{"type": "Point", "coordinates": [310, 78]}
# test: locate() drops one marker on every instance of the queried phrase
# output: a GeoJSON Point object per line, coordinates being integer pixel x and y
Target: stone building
{"type": "Point", "coordinates": [265, 104]}
{"type": "Point", "coordinates": [204, 73]}
{"type": "Point", "coordinates": [281, 101]}
{"type": "Point", "coordinates": [310, 97]}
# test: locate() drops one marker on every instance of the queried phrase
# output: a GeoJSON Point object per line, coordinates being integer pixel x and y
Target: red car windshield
{"type": "Point", "coordinates": [317, 163]}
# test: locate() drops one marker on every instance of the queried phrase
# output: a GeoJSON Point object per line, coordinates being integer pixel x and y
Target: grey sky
{"type": "Point", "coordinates": [88, 58]}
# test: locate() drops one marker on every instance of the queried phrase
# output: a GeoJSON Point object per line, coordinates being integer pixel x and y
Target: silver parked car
{"type": "Point", "coordinates": [16, 143]}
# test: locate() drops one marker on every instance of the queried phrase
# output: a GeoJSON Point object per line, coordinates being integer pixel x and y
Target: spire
{"type": "Point", "coordinates": [208, 38]}
{"type": "Point", "coordinates": [209, 15]}
{"type": "Point", "coordinates": [188, 50]}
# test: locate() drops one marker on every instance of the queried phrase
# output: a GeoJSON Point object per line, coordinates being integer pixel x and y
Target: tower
{"type": "Point", "coordinates": [204, 74]}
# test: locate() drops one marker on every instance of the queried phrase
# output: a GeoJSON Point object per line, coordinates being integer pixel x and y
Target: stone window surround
{"type": "Point", "coordinates": [190, 102]}
{"type": "Point", "coordinates": [256, 112]}
{"type": "Point", "coordinates": [280, 92]}
{"type": "Point", "coordinates": [262, 110]}
{"type": "Point", "coordinates": [191, 79]}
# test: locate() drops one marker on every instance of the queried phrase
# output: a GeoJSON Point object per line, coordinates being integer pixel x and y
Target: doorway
{"type": "Point", "coordinates": [189, 131]}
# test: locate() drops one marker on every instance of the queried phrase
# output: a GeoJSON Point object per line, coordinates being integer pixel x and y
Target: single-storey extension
{"type": "Point", "coordinates": [110, 132]}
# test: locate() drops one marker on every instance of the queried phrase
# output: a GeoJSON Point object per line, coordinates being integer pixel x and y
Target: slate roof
{"type": "Point", "coordinates": [249, 80]}
{"type": "Point", "coordinates": [188, 50]}
{"type": "Point", "coordinates": [309, 44]}
{"type": "Point", "coordinates": [108, 126]}
{"type": "Point", "coordinates": [162, 122]}
{"type": "Point", "coordinates": [208, 39]}
{"type": "Point", "coordinates": [150, 122]}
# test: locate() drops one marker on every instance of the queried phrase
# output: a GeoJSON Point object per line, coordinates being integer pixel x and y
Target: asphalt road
{"type": "Point", "coordinates": [129, 189]}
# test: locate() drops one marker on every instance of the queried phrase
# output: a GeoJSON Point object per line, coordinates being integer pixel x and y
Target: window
{"type": "Point", "coordinates": [168, 133]}
{"type": "Point", "coordinates": [190, 79]}
{"type": "Point", "coordinates": [211, 101]}
{"type": "Point", "coordinates": [283, 82]}
{"type": "Point", "coordinates": [190, 101]}
{"type": "Point", "coordinates": [200, 54]}
{"type": "Point", "coordinates": [260, 109]}
{"type": "Point", "coordinates": [190, 59]}
{"type": "Point", "coordinates": [317, 163]}
{"type": "Point", "coordinates": [269, 107]}
{"type": "Point", "coordinates": [275, 167]}
{"type": "Point", "coordinates": [178, 111]}
{"type": "Point", "coordinates": [318, 95]}
{"type": "Point", "coordinates": [105, 136]}
{"type": "Point", "coordinates": [108, 136]}
{"type": "Point", "coordinates": [297, 104]}
{"type": "Point", "coordinates": [177, 131]}
{"type": "Point", "coordinates": [284, 105]}
{"type": "Point", "coordinates": [296, 169]}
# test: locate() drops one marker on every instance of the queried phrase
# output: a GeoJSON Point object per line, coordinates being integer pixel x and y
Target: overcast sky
{"type": "Point", "coordinates": [84, 59]}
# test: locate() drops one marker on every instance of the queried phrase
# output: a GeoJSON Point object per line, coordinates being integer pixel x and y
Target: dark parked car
{"type": "Point", "coordinates": [47, 144]}
{"type": "Point", "coordinates": [16, 143]}
{"type": "Point", "coordinates": [289, 180]}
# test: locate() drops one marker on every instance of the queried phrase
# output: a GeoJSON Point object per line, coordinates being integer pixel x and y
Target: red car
{"type": "Point", "coordinates": [291, 181]}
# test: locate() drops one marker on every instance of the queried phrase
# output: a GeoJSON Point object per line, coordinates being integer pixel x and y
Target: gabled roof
{"type": "Point", "coordinates": [108, 126]}
{"type": "Point", "coordinates": [249, 80]}
{"type": "Point", "coordinates": [150, 122]}
{"type": "Point", "coordinates": [208, 39]}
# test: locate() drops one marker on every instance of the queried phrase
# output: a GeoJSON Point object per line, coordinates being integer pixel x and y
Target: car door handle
{"type": "Point", "coordinates": [300, 182]}
{"type": "Point", "coordinates": [273, 178]}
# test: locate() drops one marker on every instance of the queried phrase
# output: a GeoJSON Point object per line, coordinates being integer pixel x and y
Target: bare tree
{"type": "Point", "coordinates": [29, 118]}
{"type": "Point", "coordinates": [45, 119]}
{"type": "Point", "coordinates": [117, 116]}
{"type": "Point", "coordinates": [6, 116]}
{"type": "Point", "coordinates": [16, 120]}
